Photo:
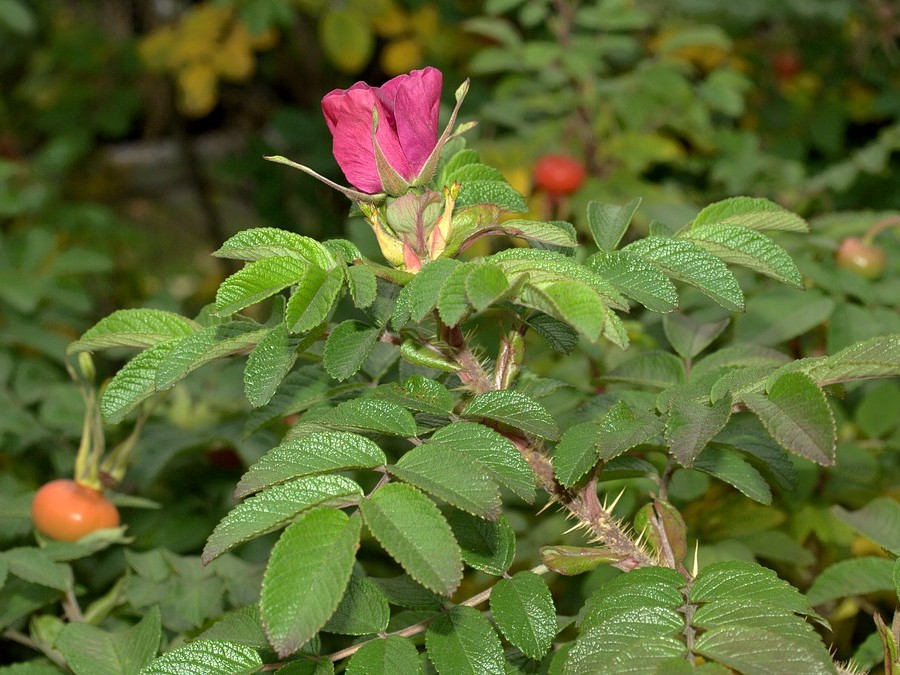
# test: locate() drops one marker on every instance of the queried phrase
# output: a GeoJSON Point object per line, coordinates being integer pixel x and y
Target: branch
{"type": "Point", "coordinates": [585, 506]}
{"type": "Point", "coordinates": [417, 628]}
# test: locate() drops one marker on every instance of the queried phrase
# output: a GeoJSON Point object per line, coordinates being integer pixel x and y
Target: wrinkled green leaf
{"type": "Point", "coordinates": [306, 576]}
{"type": "Point", "coordinates": [412, 530]}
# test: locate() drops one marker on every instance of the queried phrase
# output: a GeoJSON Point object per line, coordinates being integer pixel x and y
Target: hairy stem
{"type": "Point", "coordinates": [585, 506]}
{"type": "Point", "coordinates": [472, 373]}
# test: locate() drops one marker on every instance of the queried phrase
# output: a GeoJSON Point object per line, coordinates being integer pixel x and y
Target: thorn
{"type": "Point", "coordinates": [615, 501]}
{"type": "Point", "coordinates": [576, 526]}
{"type": "Point", "coordinates": [696, 566]}
{"type": "Point", "coordinates": [546, 506]}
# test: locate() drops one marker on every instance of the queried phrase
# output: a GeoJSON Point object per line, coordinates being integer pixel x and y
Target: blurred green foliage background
{"type": "Point", "coordinates": [131, 141]}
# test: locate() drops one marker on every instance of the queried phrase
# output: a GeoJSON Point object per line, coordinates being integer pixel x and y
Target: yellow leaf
{"type": "Point", "coordinates": [346, 39]}
{"type": "Point", "coordinates": [401, 56]}
{"type": "Point", "coordinates": [197, 89]}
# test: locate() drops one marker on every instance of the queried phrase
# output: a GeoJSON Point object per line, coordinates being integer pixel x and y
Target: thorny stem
{"type": "Point", "coordinates": [472, 373]}
{"type": "Point", "coordinates": [417, 628]}
{"type": "Point", "coordinates": [585, 506]}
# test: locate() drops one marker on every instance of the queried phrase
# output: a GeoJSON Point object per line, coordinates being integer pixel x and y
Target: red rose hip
{"type": "Point", "coordinates": [67, 511]}
{"type": "Point", "coordinates": [558, 174]}
{"type": "Point", "coordinates": [864, 259]}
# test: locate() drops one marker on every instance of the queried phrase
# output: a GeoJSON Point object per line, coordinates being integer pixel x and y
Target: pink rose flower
{"type": "Point", "coordinates": [407, 109]}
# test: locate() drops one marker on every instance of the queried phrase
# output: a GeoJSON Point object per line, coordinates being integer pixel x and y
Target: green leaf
{"type": "Point", "coordinates": [609, 222]}
{"type": "Point", "coordinates": [89, 650]}
{"type": "Point", "coordinates": [206, 345]}
{"type": "Point", "coordinates": [362, 284]}
{"type": "Point", "coordinates": [18, 17]}
{"type": "Point", "coordinates": [576, 453]}
{"type": "Point", "coordinates": [261, 279]}
{"type": "Point", "coordinates": [650, 369]}
{"type": "Point", "coordinates": [493, 451]}
{"type": "Point", "coordinates": [241, 625]}
{"type": "Point", "coordinates": [312, 299]}
{"type": "Point", "coordinates": [366, 415]}
{"type": "Point", "coordinates": [743, 606]}
{"type": "Point", "coordinates": [637, 279]}
{"type": "Point", "coordinates": [738, 356]}
{"type": "Point", "coordinates": [693, 265]}
{"type": "Point", "coordinates": [485, 284]}
{"type": "Point", "coordinates": [879, 520]}
{"type": "Point", "coordinates": [869, 414]}
{"type": "Point", "coordinates": [210, 657]}
{"type": "Point", "coordinates": [633, 611]}
{"type": "Point", "coordinates": [269, 363]}
{"type": "Point", "coordinates": [571, 301]}
{"type": "Point", "coordinates": [306, 576]}
{"type": "Point", "coordinates": [749, 584]}
{"type": "Point", "coordinates": [755, 213]}
{"type": "Point", "coordinates": [544, 267]}
{"type": "Point", "coordinates": [550, 233]}
{"type": "Point", "coordinates": [418, 393]}
{"type": "Point", "coordinates": [412, 530]}
{"type": "Point", "coordinates": [516, 410]}
{"type": "Point", "coordinates": [452, 302]}
{"type": "Point", "coordinates": [135, 382]}
{"type": "Point", "coordinates": [524, 612]}
{"type": "Point", "coordinates": [451, 476]}
{"type": "Point", "coordinates": [764, 323]}
{"type": "Point", "coordinates": [139, 328]}
{"type": "Point", "coordinates": [322, 452]}
{"type": "Point", "coordinates": [855, 576]}
{"type": "Point", "coordinates": [393, 654]}
{"type": "Point", "coordinates": [463, 642]}
{"type": "Point", "coordinates": [344, 251]}
{"type": "Point", "coordinates": [729, 466]}
{"type": "Point", "coordinates": [306, 665]}
{"type": "Point", "coordinates": [496, 192]}
{"type": "Point", "coordinates": [270, 242]}
{"type": "Point", "coordinates": [692, 424]}
{"type": "Point", "coordinates": [402, 591]}
{"type": "Point", "coordinates": [688, 336]}
{"type": "Point", "coordinates": [739, 245]}
{"type": "Point", "coordinates": [276, 507]}
{"type": "Point", "coordinates": [37, 567]}
{"type": "Point", "coordinates": [796, 414]}
{"type": "Point", "coordinates": [877, 357]}
{"type": "Point", "coordinates": [488, 546]}
{"type": "Point", "coordinates": [363, 610]}
{"type": "Point", "coordinates": [583, 445]}
{"type": "Point", "coordinates": [752, 649]}
{"type": "Point", "coordinates": [424, 290]}
{"type": "Point", "coordinates": [560, 336]}
{"type": "Point", "coordinates": [347, 348]}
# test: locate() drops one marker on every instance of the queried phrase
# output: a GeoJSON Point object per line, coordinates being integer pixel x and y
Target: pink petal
{"type": "Point", "coordinates": [416, 111]}
{"type": "Point", "coordinates": [349, 118]}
